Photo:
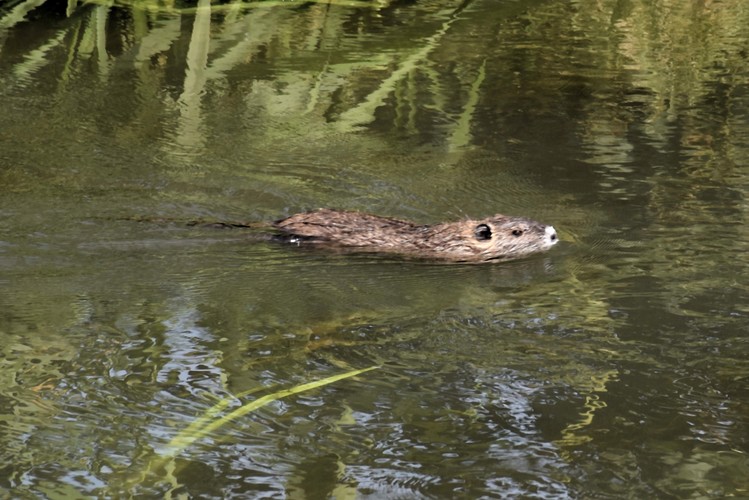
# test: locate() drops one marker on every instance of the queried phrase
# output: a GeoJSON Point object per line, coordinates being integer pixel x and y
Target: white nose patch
{"type": "Point", "coordinates": [551, 235]}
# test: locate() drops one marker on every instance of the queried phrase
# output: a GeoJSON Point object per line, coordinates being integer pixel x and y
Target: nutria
{"type": "Point", "coordinates": [495, 238]}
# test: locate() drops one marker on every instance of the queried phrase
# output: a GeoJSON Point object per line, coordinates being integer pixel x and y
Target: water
{"type": "Point", "coordinates": [613, 366]}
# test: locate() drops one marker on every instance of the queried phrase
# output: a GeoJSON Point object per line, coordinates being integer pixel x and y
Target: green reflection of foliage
{"type": "Point", "coordinates": [172, 7]}
{"type": "Point", "coordinates": [644, 39]}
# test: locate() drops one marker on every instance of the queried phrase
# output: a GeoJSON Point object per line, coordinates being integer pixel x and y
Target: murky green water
{"type": "Point", "coordinates": [614, 366]}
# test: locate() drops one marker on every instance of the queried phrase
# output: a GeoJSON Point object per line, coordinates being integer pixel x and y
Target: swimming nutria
{"type": "Point", "coordinates": [496, 238]}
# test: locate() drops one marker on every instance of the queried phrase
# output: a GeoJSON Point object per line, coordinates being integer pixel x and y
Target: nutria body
{"type": "Point", "coordinates": [495, 238]}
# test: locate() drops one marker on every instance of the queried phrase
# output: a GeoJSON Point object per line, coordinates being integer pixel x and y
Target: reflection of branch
{"type": "Point", "coordinates": [362, 114]}
{"type": "Point", "coordinates": [195, 77]}
{"type": "Point", "coordinates": [18, 13]}
{"type": "Point", "coordinates": [72, 4]}
{"type": "Point", "coordinates": [254, 28]}
{"type": "Point", "coordinates": [461, 135]}
{"type": "Point", "coordinates": [158, 39]}
{"type": "Point", "coordinates": [197, 55]}
{"type": "Point", "coordinates": [102, 12]}
{"type": "Point", "coordinates": [37, 58]}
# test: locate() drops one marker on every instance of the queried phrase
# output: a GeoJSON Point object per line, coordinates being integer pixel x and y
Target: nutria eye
{"type": "Point", "coordinates": [483, 232]}
{"type": "Point", "coordinates": [517, 232]}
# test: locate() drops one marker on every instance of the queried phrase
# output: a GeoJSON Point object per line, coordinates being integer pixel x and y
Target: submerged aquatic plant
{"type": "Point", "coordinates": [210, 421]}
{"type": "Point", "coordinates": [213, 420]}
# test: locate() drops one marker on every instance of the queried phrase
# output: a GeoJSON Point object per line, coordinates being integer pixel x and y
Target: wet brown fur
{"type": "Point", "coordinates": [495, 238]}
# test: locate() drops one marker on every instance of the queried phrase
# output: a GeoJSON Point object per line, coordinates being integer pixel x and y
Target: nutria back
{"type": "Point", "coordinates": [495, 238]}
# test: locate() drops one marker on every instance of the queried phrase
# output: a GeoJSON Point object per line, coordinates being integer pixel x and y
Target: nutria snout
{"type": "Point", "coordinates": [495, 238]}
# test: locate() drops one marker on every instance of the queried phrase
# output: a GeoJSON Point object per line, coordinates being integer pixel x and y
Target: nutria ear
{"type": "Point", "coordinates": [483, 232]}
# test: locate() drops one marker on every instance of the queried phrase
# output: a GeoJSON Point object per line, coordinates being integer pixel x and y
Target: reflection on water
{"type": "Point", "coordinates": [614, 365]}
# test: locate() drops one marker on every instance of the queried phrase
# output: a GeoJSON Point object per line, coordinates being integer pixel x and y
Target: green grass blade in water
{"type": "Point", "coordinates": [209, 422]}
{"type": "Point", "coordinates": [196, 431]}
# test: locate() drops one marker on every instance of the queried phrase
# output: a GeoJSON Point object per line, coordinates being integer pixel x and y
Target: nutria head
{"type": "Point", "coordinates": [495, 238]}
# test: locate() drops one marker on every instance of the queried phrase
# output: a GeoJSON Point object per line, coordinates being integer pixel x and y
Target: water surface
{"type": "Point", "coordinates": [613, 366]}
